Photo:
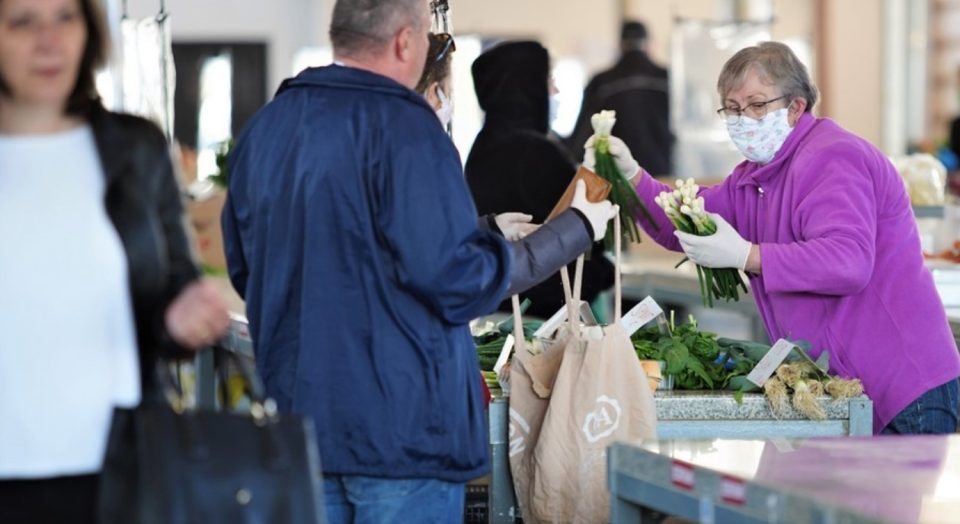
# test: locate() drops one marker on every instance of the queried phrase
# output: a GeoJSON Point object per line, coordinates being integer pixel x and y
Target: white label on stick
{"type": "Point", "coordinates": [639, 315]}
{"type": "Point", "coordinates": [547, 328]}
{"type": "Point", "coordinates": [586, 314]}
{"type": "Point", "coordinates": [504, 354]}
{"type": "Point", "coordinates": [770, 362]}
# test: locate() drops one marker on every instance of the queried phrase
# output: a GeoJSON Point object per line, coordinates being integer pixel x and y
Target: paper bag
{"type": "Point", "coordinates": [567, 405]}
{"type": "Point", "coordinates": [597, 190]}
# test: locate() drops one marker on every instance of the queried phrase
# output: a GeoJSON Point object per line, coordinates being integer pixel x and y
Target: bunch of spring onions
{"type": "Point", "coordinates": [622, 192]}
{"type": "Point", "coordinates": [801, 384]}
{"type": "Point", "coordinates": [686, 210]}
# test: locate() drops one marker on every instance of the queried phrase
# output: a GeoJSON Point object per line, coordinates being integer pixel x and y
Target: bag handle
{"type": "Point", "coordinates": [573, 295]}
{"type": "Point", "coordinates": [262, 408]}
{"type": "Point", "coordinates": [617, 287]}
{"type": "Point", "coordinates": [519, 340]}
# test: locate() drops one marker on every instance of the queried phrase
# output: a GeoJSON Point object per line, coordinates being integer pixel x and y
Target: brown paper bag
{"type": "Point", "coordinates": [597, 189]}
{"type": "Point", "coordinates": [598, 395]}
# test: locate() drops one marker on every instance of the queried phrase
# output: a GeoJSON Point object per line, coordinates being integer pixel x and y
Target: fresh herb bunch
{"type": "Point", "coordinates": [686, 211]}
{"type": "Point", "coordinates": [622, 192]}
{"type": "Point", "coordinates": [692, 356]}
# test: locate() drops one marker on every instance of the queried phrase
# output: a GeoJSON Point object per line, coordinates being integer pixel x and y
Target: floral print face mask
{"type": "Point", "coordinates": [759, 140]}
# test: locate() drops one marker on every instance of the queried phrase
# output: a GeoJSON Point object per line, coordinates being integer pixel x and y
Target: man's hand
{"type": "Point", "coordinates": [620, 153]}
{"type": "Point", "coordinates": [198, 316]}
{"type": "Point", "coordinates": [596, 213]}
{"type": "Point", "coordinates": [515, 226]}
{"type": "Point", "coordinates": [723, 249]}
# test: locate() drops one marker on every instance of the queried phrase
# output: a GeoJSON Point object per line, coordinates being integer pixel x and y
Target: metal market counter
{"type": "Point", "coordinates": [689, 415]}
{"type": "Point", "coordinates": [913, 479]}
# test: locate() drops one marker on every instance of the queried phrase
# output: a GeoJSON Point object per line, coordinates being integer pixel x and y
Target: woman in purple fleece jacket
{"type": "Point", "coordinates": [822, 224]}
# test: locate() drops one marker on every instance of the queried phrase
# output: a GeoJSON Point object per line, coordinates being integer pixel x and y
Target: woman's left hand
{"type": "Point", "coordinates": [198, 316]}
{"type": "Point", "coordinates": [723, 249]}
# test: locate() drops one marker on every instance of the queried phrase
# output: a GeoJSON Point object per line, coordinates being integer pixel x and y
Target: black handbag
{"type": "Point", "coordinates": [168, 465]}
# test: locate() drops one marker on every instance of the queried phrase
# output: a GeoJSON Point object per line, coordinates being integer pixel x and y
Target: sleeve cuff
{"type": "Point", "coordinates": [586, 222]}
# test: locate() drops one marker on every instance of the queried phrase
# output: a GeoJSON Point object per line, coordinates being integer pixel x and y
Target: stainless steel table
{"type": "Point", "coordinates": [913, 479]}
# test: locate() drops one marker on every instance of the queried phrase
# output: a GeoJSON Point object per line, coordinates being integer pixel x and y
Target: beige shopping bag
{"type": "Point", "coordinates": [567, 405]}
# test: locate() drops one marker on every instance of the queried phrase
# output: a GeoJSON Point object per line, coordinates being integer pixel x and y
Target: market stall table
{"type": "Point", "coordinates": [690, 414]}
{"type": "Point", "coordinates": [912, 479]}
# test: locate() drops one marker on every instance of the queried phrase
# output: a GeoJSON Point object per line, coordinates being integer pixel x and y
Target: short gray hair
{"type": "Point", "coordinates": [365, 25]}
{"type": "Point", "coordinates": [776, 65]}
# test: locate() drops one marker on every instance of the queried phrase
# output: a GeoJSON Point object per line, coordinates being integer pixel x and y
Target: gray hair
{"type": "Point", "coordinates": [365, 25]}
{"type": "Point", "coordinates": [776, 65]}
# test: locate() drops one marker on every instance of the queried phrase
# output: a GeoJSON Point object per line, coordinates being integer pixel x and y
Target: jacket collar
{"type": "Point", "coordinates": [342, 77]}
{"type": "Point", "coordinates": [756, 174]}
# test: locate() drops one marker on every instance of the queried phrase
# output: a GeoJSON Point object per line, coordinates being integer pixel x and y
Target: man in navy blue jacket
{"type": "Point", "coordinates": [351, 233]}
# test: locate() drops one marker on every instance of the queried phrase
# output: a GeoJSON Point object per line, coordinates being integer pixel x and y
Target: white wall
{"type": "Point", "coordinates": [587, 29]}
{"type": "Point", "coordinates": [285, 25]}
{"type": "Point", "coordinates": [851, 81]}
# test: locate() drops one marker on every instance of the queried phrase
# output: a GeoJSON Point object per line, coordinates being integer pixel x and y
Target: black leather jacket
{"type": "Point", "coordinates": [143, 202]}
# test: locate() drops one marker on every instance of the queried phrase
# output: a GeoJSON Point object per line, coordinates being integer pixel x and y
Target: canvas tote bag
{"type": "Point", "coordinates": [568, 404]}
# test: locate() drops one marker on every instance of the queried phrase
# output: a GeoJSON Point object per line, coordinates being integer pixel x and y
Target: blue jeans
{"type": "Point", "coordinates": [934, 412]}
{"type": "Point", "coordinates": [361, 500]}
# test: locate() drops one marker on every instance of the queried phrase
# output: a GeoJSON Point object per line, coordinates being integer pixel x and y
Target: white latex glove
{"type": "Point", "coordinates": [723, 249]}
{"type": "Point", "coordinates": [515, 226]}
{"type": "Point", "coordinates": [597, 213]}
{"type": "Point", "coordinates": [620, 153]}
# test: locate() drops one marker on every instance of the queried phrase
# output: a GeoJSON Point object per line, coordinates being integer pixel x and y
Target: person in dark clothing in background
{"type": "Point", "coordinates": [515, 166]}
{"type": "Point", "coordinates": [637, 89]}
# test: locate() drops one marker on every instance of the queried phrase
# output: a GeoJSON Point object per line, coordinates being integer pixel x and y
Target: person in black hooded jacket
{"type": "Point", "coordinates": [514, 165]}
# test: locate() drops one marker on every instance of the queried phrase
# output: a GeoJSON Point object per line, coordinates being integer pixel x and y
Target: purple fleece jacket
{"type": "Point", "coordinates": [841, 261]}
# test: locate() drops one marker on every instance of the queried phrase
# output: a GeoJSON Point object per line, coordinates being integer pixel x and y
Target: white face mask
{"type": "Point", "coordinates": [445, 113]}
{"type": "Point", "coordinates": [554, 108]}
{"type": "Point", "coordinates": [759, 140]}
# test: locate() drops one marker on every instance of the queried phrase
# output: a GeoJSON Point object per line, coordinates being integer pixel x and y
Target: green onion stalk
{"type": "Point", "coordinates": [686, 211]}
{"type": "Point", "coordinates": [622, 192]}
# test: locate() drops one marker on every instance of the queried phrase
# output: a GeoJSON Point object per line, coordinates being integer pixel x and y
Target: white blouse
{"type": "Point", "coordinates": [68, 350]}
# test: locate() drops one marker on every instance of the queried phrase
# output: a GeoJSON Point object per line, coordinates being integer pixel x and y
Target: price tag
{"type": "Point", "coordinates": [640, 315]}
{"type": "Point", "coordinates": [770, 362]}
{"type": "Point", "coordinates": [733, 490]}
{"type": "Point", "coordinates": [783, 445]}
{"type": "Point", "coordinates": [681, 474]}
{"type": "Point", "coordinates": [547, 329]}
{"type": "Point", "coordinates": [586, 315]}
{"type": "Point", "coordinates": [504, 354]}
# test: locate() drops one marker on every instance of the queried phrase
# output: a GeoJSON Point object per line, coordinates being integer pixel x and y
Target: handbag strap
{"type": "Point", "coordinates": [262, 408]}
{"type": "Point", "coordinates": [617, 286]}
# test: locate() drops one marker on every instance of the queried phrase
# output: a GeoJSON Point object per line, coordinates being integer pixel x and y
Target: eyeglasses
{"type": "Point", "coordinates": [447, 45]}
{"type": "Point", "coordinates": [756, 110]}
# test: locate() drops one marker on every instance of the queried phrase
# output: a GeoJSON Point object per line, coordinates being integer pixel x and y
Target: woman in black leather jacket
{"type": "Point", "coordinates": [96, 274]}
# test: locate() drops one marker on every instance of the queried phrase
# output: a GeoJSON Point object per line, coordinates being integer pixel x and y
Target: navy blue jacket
{"type": "Point", "coordinates": [351, 233]}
